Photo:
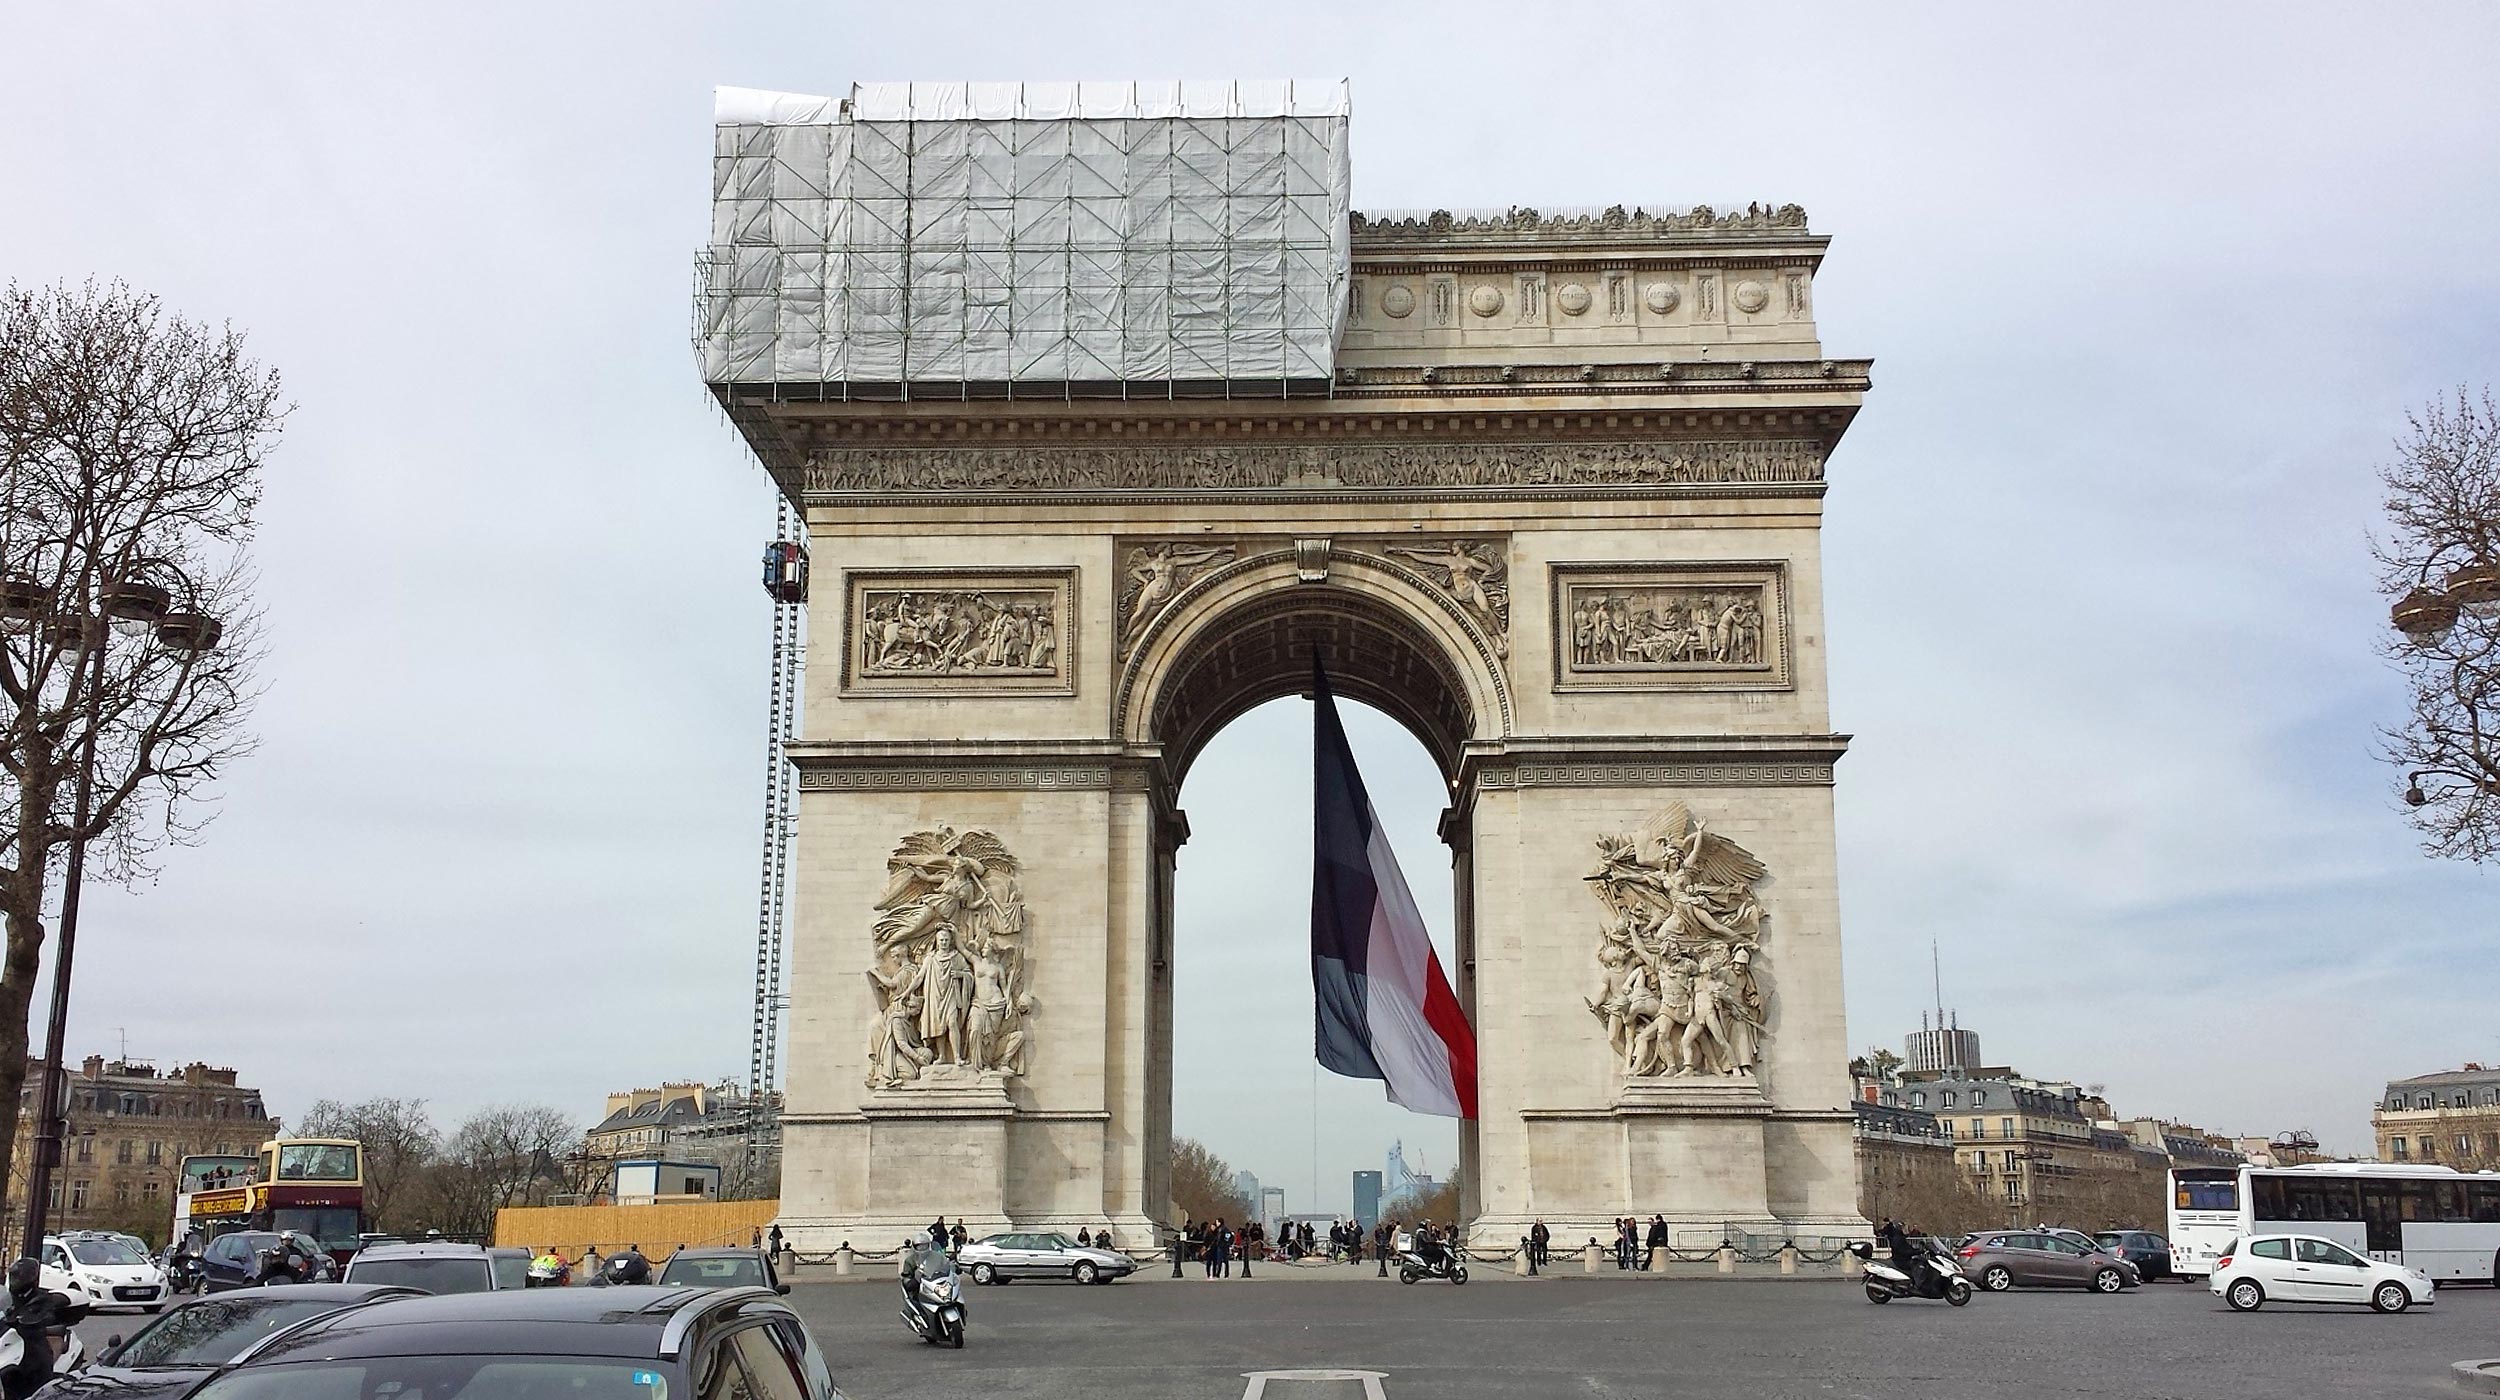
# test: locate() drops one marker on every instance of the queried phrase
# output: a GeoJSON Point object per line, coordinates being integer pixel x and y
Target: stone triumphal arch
{"type": "Point", "coordinates": [1552, 502]}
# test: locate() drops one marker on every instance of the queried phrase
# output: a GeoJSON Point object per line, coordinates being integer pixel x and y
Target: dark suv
{"type": "Point", "coordinates": [2150, 1253]}
{"type": "Point", "coordinates": [579, 1343]}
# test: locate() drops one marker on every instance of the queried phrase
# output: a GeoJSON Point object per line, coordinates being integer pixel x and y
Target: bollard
{"type": "Point", "coordinates": [1788, 1257]}
{"type": "Point", "coordinates": [1658, 1260]}
{"type": "Point", "coordinates": [1593, 1255]}
{"type": "Point", "coordinates": [842, 1261]}
{"type": "Point", "coordinates": [1176, 1256]}
{"type": "Point", "coordinates": [1727, 1257]}
{"type": "Point", "coordinates": [1520, 1263]}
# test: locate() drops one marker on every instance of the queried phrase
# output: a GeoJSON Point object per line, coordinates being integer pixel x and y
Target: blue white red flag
{"type": "Point", "coordinates": [1385, 1009]}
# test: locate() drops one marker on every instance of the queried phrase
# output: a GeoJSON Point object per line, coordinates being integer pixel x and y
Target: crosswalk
{"type": "Point", "coordinates": [1315, 1385]}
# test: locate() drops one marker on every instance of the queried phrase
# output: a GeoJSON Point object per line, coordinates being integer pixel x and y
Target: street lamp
{"type": "Point", "coordinates": [140, 612]}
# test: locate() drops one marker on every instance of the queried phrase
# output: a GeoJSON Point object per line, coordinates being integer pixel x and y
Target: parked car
{"type": "Point", "coordinates": [510, 1264]}
{"type": "Point", "coordinates": [650, 1342]}
{"type": "Point", "coordinates": [103, 1272]}
{"type": "Point", "coordinates": [437, 1267]}
{"type": "Point", "coordinates": [2264, 1269]}
{"type": "Point", "coordinates": [2150, 1253]}
{"type": "Point", "coordinates": [1003, 1258]}
{"type": "Point", "coordinates": [2001, 1259]}
{"type": "Point", "coordinates": [722, 1268]}
{"type": "Point", "coordinates": [174, 1353]}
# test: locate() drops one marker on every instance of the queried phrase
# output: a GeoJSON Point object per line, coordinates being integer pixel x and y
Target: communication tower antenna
{"type": "Point", "coordinates": [785, 580]}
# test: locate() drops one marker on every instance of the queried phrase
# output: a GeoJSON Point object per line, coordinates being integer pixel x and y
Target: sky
{"type": "Point", "coordinates": [2149, 291]}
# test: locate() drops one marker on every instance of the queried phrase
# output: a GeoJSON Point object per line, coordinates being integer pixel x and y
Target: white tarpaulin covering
{"type": "Point", "coordinates": [959, 233]}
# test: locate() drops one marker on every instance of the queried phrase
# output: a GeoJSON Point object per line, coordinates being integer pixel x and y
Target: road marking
{"type": "Point", "coordinates": [1314, 1385]}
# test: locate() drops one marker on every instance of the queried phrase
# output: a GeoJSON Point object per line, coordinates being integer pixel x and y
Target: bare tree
{"type": "Point", "coordinates": [501, 1157]}
{"type": "Point", "coordinates": [399, 1140]}
{"type": "Point", "coordinates": [2440, 563]}
{"type": "Point", "coordinates": [1202, 1184]}
{"type": "Point", "coordinates": [131, 444]}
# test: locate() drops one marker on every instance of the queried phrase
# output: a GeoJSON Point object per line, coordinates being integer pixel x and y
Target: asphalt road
{"type": "Point", "coordinates": [1602, 1337]}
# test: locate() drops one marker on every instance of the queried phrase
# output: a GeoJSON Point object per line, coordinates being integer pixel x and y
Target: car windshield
{"type": "Point", "coordinates": [105, 1252]}
{"type": "Point", "coordinates": [444, 1378]}
{"type": "Point", "coordinates": [718, 1271]}
{"type": "Point", "coordinates": [210, 1332]}
{"type": "Point", "coordinates": [316, 1161]}
{"type": "Point", "coordinates": [438, 1275]}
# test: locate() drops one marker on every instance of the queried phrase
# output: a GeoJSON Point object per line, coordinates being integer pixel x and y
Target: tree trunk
{"type": "Point", "coordinates": [24, 963]}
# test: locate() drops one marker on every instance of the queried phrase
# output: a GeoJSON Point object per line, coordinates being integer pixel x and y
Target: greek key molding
{"type": "Point", "coordinates": [1460, 467]}
{"type": "Point", "coordinates": [1601, 774]}
{"type": "Point", "coordinates": [1085, 778]}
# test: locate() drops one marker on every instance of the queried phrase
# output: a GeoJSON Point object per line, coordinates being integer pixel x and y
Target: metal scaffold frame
{"type": "Point", "coordinates": [785, 579]}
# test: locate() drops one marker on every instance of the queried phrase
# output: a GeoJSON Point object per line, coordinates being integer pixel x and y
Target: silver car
{"type": "Point", "coordinates": [1002, 1258]}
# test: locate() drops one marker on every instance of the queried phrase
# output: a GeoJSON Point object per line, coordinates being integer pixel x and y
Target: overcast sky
{"type": "Point", "coordinates": [2149, 290]}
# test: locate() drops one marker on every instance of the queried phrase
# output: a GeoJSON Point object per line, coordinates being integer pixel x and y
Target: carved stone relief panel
{"type": "Point", "coordinates": [1682, 626]}
{"type": "Point", "coordinates": [1471, 572]}
{"type": "Point", "coordinates": [944, 632]}
{"type": "Point", "coordinates": [1154, 572]}
{"type": "Point", "coordinates": [1677, 949]}
{"type": "Point", "coordinates": [949, 979]}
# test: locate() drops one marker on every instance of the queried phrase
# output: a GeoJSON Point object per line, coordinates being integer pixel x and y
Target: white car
{"type": "Point", "coordinates": [2261, 1269]}
{"type": "Point", "coordinates": [103, 1272]}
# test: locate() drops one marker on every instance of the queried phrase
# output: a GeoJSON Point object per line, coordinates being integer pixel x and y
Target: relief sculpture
{"type": "Point", "coordinates": [1012, 633]}
{"type": "Point", "coordinates": [1154, 574]}
{"type": "Point", "coordinates": [1473, 574]}
{"type": "Point", "coordinates": [1667, 627]}
{"type": "Point", "coordinates": [950, 978]}
{"type": "Point", "coordinates": [1682, 933]}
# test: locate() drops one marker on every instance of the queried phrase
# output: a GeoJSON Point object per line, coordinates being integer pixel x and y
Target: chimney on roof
{"type": "Point", "coordinates": [94, 1068]}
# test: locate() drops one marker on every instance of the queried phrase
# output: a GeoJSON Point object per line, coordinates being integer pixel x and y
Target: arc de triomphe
{"type": "Point", "coordinates": [1558, 513]}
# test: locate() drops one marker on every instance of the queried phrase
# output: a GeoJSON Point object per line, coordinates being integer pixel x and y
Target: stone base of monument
{"type": "Point", "coordinates": [1740, 1094]}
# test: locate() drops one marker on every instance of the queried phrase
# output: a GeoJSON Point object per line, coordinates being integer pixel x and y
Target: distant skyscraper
{"type": "Point", "coordinates": [1246, 1186]}
{"type": "Point", "coordinates": [1367, 1197]}
{"type": "Point", "coordinates": [1272, 1209]}
{"type": "Point", "coordinates": [1398, 1181]}
{"type": "Point", "coordinates": [1942, 1044]}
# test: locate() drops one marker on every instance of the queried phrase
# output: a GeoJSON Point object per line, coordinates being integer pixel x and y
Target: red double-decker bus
{"type": "Point", "coordinates": [315, 1186]}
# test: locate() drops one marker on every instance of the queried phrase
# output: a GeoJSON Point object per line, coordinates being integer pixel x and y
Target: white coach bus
{"type": "Point", "coordinates": [2433, 1218]}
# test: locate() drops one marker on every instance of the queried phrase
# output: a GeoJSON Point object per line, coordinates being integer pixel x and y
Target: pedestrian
{"type": "Point", "coordinates": [774, 1238]}
{"type": "Point", "coordinates": [1657, 1239]}
{"type": "Point", "coordinates": [1623, 1243]}
{"type": "Point", "coordinates": [937, 1233]}
{"type": "Point", "coordinates": [1102, 1237]}
{"type": "Point", "coordinates": [1206, 1244]}
{"type": "Point", "coordinates": [1084, 1238]}
{"type": "Point", "coordinates": [958, 1236]}
{"type": "Point", "coordinates": [1538, 1239]}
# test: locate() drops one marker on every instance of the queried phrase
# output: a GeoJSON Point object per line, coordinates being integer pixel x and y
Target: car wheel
{"type": "Point", "coordinates": [2245, 1296]}
{"type": "Point", "coordinates": [2108, 1281]}
{"type": "Point", "coordinates": [2391, 1297]}
{"type": "Point", "coordinates": [984, 1275]}
{"type": "Point", "coordinates": [1086, 1272]}
{"type": "Point", "coordinates": [1958, 1292]}
{"type": "Point", "coordinates": [1996, 1278]}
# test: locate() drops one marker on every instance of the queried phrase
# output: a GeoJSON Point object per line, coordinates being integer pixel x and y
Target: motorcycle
{"type": "Point", "coordinates": [933, 1300]}
{"type": "Point", "coordinates": [292, 1260]}
{"type": "Point", "coordinates": [549, 1275]}
{"type": "Point", "coordinates": [1931, 1275]}
{"type": "Point", "coordinates": [1412, 1266]}
{"type": "Point", "coordinates": [68, 1352]}
{"type": "Point", "coordinates": [187, 1275]}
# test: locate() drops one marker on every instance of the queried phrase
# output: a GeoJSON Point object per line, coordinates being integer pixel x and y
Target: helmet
{"type": "Point", "coordinates": [25, 1276]}
{"type": "Point", "coordinates": [629, 1267]}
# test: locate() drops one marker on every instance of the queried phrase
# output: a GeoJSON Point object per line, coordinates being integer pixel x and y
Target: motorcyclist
{"type": "Point", "coordinates": [1894, 1238]}
{"type": "Point", "coordinates": [34, 1311]}
{"type": "Point", "coordinates": [627, 1266]}
{"type": "Point", "coordinates": [1428, 1246]}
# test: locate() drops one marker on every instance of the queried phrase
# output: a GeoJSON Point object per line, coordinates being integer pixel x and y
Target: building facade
{"type": "Point", "coordinates": [2451, 1117]}
{"type": "Point", "coordinates": [129, 1127]}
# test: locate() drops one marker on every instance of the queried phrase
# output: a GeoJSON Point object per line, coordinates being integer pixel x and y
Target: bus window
{"type": "Point", "coordinates": [2382, 1216]}
{"type": "Point", "coordinates": [316, 1161]}
{"type": "Point", "coordinates": [2482, 1201]}
{"type": "Point", "coordinates": [2316, 1199]}
{"type": "Point", "coordinates": [2208, 1193]}
{"type": "Point", "coordinates": [2270, 1200]}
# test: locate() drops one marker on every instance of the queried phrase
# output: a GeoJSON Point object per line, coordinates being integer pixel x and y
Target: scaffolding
{"type": "Point", "coordinates": [785, 581]}
{"type": "Point", "coordinates": [969, 240]}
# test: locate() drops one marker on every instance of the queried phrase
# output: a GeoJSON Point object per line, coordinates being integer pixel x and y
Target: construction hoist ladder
{"type": "Point", "coordinates": [785, 578]}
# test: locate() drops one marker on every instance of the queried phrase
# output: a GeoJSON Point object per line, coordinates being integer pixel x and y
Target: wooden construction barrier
{"type": "Point", "coordinates": [659, 1228]}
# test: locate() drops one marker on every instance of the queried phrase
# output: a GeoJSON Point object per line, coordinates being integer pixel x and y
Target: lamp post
{"type": "Point", "coordinates": [145, 612]}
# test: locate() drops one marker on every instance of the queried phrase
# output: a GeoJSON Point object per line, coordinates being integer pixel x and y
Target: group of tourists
{"type": "Point", "coordinates": [1630, 1253]}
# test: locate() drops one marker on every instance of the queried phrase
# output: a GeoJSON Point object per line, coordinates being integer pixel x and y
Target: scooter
{"type": "Point", "coordinates": [68, 1352]}
{"type": "Point", "coordinates": [933, 1299]}
{"type": "Point", "coordinates": [1931, 1276]}
{"type": "Point", "coordinates": [187, 1275]}
{"type": "Point", "coordinates": [1412, 1266]}
{"type": "Point", "coordinates": [549, 1275]}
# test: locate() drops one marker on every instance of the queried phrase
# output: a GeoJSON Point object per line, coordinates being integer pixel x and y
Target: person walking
{"type": "Point", "coordinates": [1623, 1243]}
{"type": "Point", "coordinates": [1657, 1239]}
{"type": "Point", "coordinates": [1539, 1238]}
{"type": "Point", "coordinates": [1380, 1246]}
{"type": "Point", "coordinates": [773, 1238]}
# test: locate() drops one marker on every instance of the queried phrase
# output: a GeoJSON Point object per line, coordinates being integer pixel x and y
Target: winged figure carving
{"type": "Point", "coordinates": [1677, 950]}
{"type": "Point", "coordinates": [949, 979]}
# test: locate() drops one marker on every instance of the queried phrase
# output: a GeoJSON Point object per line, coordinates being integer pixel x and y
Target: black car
{"type": "Point", "coordinates": [185, 1346]}
{"type": "Point", "coordinates": [233, 1261]}
{"type": "Point", "coordinates": [722, 1268]}
{"type": "Point", "coordinates": [2150, 1253]}
{"type": "Point", "coordinates": [578, 1343]}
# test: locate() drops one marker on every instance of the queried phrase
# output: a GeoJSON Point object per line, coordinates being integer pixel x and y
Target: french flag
{"type": "Point", "coordinates": [1386, 1011]}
